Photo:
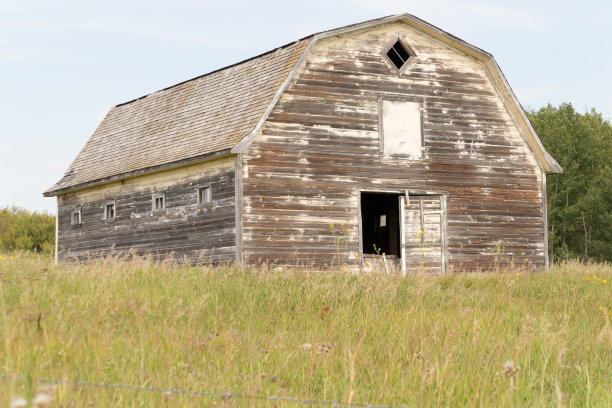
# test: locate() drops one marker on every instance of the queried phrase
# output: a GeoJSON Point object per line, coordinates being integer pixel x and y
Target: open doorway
{"type": "Point", "coordinates": [380, 225]}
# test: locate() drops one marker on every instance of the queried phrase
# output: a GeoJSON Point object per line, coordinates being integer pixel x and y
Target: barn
{"type": "Point", "coordinates": [389, 137]}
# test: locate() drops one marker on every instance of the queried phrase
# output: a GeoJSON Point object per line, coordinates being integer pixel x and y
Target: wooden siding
{"type": "Point", "coordinates": [185, 231]}
{"type": "Point", "coordinates": [320, 146]}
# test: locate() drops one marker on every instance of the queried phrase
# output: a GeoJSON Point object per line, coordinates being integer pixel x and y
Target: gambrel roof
{"type": "Point", "coordinates": [221, 112]}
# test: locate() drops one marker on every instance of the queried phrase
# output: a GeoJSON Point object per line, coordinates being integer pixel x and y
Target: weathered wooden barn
{"type": "Point", "coordinates": [389, 136]}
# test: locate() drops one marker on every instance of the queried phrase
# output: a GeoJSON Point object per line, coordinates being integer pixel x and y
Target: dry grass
{"type": "Point", "coordinates": [472, 339]}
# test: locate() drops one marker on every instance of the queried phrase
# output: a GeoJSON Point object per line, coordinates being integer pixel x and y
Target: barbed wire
{"type": "Point", "coordinates": [226, 395]}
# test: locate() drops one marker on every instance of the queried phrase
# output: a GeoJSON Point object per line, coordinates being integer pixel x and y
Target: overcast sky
{"type": "Point", "coordinates": [63, 64]}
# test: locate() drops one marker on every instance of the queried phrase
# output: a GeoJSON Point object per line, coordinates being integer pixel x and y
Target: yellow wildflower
{"type": "Point", "coordinates": [600, 307]}
{"type": "Point", "coordinates": [345, 269]}
{"type": "Point", "coordinates": [356, 255]}
{"type": "Point", "coordinates": [367, 262]}
{"type": "Point", "coordinates": [348, 229]}
{"type": "Point", "coordinates": [517, 274]}
{"type": "Point", "coordinates": [11, 257]}
{"type": "Point", "coordinates": [512, 281]}
{"type": "Point", "coordinates": [587, 278]}
{"type": "Point", "coordinates": [423, 252]}
{"type": "Point", "coordinates": [605, 281]}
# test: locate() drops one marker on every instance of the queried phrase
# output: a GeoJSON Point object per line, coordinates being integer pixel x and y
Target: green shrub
{"type": "Point", "coordinates": [24, 230]}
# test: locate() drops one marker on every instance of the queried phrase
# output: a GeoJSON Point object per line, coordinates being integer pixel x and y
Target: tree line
{"type": "Point", "coordinates": [24, 230]}
{"type": "Point", "coordinates": [579, 200]}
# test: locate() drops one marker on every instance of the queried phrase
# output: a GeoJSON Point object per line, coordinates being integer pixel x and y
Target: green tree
{"type": "Point", "coordinates": [8, 219]}
{"type": "Point", "coordinates": [21, 229]}
{"type": "Point", "coordinates": [580, 199]}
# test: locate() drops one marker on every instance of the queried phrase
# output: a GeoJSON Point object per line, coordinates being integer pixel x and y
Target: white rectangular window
{"type": "Point", "coordinates": [401, 129]}
{"type": "Point", "coordinates": [109, 211]}
{"type": "Point", "coordinates": [204, 195]}
{"type": "Point", "coordinates": [76, 217]}
{"type": "Point", "coordinates": [159, 202]}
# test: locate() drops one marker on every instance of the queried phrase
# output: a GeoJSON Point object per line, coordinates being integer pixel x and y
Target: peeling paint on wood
{"type": "Point", "coordinates": [320, 146]}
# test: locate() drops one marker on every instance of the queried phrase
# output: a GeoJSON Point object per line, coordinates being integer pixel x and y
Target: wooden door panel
{"type": "Point", "coordinates": [423, 233]}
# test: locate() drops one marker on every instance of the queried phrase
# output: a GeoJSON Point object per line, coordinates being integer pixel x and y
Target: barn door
{"type": "Point", "coordinates": [423, 235]}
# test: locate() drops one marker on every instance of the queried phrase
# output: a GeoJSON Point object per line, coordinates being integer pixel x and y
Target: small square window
{"type": "Point", "coordinates": [109, 211]}
{"type": "Point", "coordinates": [159, 202]}
{"type": "Point", "coordinates": [76, 217]}
{"type": "Point", "coordinates": [204, 195]}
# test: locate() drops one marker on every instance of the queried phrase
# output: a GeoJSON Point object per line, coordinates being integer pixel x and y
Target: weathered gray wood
{"type": "Point", "coordinates": [185, 230]}
{"type": "Point", "coordinates": [423, 234]}
{"type": "Point", "coordinates": [320, 147]}
{"type": "Point", "coordinates": [238, 207]}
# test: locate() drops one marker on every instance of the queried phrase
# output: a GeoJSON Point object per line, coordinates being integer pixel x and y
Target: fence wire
{"type": "Point", "coordinates": [226, 395]}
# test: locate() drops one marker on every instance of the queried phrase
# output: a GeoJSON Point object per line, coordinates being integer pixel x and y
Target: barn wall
{"type": "Point", "coordinates": [185, 230]}
{"type": "Point", "coordinates": [320, 146]}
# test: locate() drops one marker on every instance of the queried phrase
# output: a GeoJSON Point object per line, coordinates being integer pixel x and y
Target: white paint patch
{"type": "Point", "coordinates": [351, 109]}
{"type": "Point", "coordinates": [460, 146]}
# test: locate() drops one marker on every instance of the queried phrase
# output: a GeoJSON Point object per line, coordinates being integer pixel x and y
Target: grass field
{"type": "Point", "coordinates": [378, 339]}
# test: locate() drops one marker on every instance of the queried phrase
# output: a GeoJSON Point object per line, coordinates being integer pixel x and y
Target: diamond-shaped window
{"type": "Point", "coordinates": [398, 55]}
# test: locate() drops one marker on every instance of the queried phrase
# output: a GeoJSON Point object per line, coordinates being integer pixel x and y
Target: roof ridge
{"type": "Point", "coordinates": [227, 67]}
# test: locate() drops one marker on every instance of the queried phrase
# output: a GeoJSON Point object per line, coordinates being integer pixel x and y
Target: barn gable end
{"type": "Point", "coordinates": [319, 153]}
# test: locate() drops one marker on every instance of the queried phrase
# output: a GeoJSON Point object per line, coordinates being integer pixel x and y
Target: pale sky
{"type": "Point", "coordinates": [63, 64]}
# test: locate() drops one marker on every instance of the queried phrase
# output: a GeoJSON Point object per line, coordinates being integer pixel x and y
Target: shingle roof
{"type": "Point", "coordinates": [204, 115]}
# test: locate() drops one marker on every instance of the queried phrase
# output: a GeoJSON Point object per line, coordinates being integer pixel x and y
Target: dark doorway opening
{"type": "Point", "coordinates": [380, 223]}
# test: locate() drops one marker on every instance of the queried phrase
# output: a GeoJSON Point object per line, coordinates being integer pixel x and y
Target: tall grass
{"type": "Point", "coordinates": [470, 339]}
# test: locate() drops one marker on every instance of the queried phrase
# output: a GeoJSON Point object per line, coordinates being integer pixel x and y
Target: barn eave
{"type": "Point", "coordinates": [149, 170]}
